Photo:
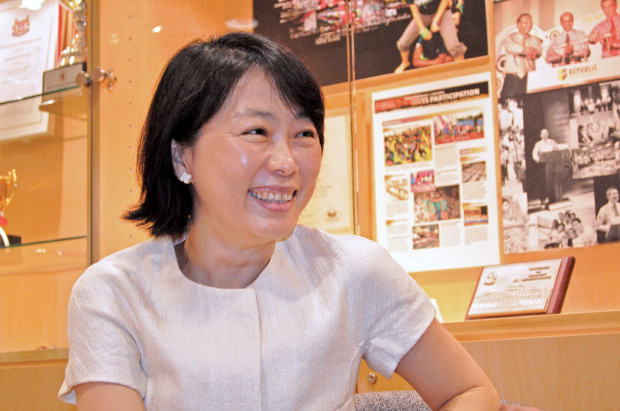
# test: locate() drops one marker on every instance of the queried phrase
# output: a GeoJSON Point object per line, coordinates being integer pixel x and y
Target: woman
{"type": "Point", "coordinates": [231, 305]}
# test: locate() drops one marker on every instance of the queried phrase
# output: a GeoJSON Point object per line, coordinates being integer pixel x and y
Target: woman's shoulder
{"type": "Point", "coordinates": [127, 266]}
{"type": "Point", "coordinates": [359, 253]}
{"type": "Point", "coordinates": [341, 243]}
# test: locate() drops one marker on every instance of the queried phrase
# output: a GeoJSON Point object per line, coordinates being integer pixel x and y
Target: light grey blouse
{"type": "Point", "coordinates": [292, 340]}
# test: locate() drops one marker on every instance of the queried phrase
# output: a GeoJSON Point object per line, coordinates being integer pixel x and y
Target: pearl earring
{"type": "Point", "coordinates": [186, 177]}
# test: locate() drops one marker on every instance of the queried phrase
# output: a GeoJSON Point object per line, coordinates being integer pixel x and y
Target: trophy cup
{"type": "Point", "coordinates": [76, 52]}
{"type": "Point", "coordinates": [8, 184]}
{"type": "Point", "coordinates": [73, 58]}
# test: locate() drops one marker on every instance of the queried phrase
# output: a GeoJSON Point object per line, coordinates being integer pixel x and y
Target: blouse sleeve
{"type": "Point", "coordinates": [102, 334]}
{"type": "Point", "coordinates": [391, 309]}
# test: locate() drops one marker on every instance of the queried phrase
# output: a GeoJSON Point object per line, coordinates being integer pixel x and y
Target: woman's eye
{"type": "Point", "coordinates": [307, 133]}
{"type": "Point", "coordinates": [257, 131]}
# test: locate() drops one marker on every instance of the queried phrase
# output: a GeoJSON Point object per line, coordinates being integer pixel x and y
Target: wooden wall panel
{"type": "Point", "coordinates": [125, 42]}
{"type": "Point", "coordinates": [33, 309]}
{"type": "Point", "coordinates": [27, 385]}
{"type": "Point", "coordinates": [568, 373]}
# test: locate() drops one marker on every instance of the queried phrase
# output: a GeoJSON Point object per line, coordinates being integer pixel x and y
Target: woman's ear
{"type": "Point", "coordinates": [177, 159]}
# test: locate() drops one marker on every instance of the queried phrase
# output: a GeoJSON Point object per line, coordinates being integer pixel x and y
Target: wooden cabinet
{"type": "Point", "coordinates": [30, 380]}
{"type": "Point", "coordinates": [554, 362]}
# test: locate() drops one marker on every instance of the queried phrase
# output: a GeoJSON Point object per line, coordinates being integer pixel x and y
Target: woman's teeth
{"type": "Point", "coordinates": [278, 198]}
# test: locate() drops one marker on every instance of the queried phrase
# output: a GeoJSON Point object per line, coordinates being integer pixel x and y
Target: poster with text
{"type": "Point", "coordinates": [331, 207]}
{"type": "Point", "coordinates": [385, 37]}
{"type": "Point", "coordinates": [434, 162]}
{"type": "Point", "coordinates": [560, 129]}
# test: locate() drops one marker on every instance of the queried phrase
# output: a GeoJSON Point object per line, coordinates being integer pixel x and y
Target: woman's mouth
{"type": "Point", "coordinates": [270, 197]}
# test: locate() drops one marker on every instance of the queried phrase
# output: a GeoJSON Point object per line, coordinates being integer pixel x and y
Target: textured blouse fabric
{"type": "Point", "coordinates": [293, 339]}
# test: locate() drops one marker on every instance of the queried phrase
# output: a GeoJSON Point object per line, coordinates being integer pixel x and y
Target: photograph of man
{"type": "Point", "coordinates": [585, 235]}
{"type": "Point", "coordinates": [607, 32]}
{"type": "Point", "coordinates": [438, 16]}
{"type": "Point", "coordinates": [570, 45]}
{"type": "Point", "coordinates": [608, 217]}
{"type": "Point", "coordinates": [522, 50]}
{"type": "Point", "coordinates": [546, 182]}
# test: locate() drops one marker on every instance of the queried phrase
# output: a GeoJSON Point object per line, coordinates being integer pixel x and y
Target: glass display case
{"type": "Point", "coordinates": [44, 202]}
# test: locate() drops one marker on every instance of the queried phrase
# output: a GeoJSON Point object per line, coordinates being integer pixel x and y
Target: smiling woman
{"type": "Point", "coordinates": [231, 304]}
{"type": "Point", "coordinates": [254, 167]}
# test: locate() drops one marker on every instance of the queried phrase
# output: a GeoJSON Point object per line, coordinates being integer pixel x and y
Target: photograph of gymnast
{"type": "Point", "coordinates": [390, 36]}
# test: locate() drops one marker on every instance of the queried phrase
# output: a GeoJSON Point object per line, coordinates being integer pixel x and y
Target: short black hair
{"type": "Point", "coordinates": [432, 48]}
{"type": "Point", "coordinates": [191, 90]}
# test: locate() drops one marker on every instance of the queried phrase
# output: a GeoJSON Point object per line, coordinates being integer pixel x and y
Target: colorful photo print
{"type": "Point", "coordinates": [396, 187]}
{"type": "Point", "coordinates": [425, 236]}
{"type": "Point", "coordinates": [423, 181]}
{"type": "Point", "coordinates": [439, 205]}
{"type": "Point", "coordinates": [475, 214]}
{"type": "Point", "coordinates": [456, 127]}
{"type": "Point", "coordinates": [473, 172]}
{"type": "Point", "coordinates": [387, 38]}
{"type": "Point", "coordinates": [407, 145]}
{"type": "Point", "coordinates": [551, 44]}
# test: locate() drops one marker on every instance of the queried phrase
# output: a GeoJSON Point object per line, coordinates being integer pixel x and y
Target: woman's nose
{"type": "Point", "coordinates": [282, 159]}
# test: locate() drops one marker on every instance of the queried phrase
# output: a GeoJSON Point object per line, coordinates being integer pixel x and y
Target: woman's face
{"type": "Point", "coordinates": [505, 207]}
{"type": "Point", "coordinates": [254, 165]}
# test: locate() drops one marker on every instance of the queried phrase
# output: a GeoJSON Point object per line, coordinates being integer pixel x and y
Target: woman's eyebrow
{"type": "Point", "coordinates": [252, 112]}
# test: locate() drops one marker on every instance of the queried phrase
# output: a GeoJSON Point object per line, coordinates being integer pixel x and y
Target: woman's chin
{"type": "Point", "coordinates": [276, 232]}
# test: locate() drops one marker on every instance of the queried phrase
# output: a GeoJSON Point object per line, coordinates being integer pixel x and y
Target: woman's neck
{"type": "Point", "coordinates": [221, 265]}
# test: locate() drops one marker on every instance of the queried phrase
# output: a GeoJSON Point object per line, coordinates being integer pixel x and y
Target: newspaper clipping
{"type": "Point", "coordinates": [434, 180]}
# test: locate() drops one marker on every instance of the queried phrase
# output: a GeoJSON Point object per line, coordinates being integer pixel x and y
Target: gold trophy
{"type": "Point", "coordinates": [72, 61]}
{"type": "Point", "coordinates": [8, 185]}
{"type": "Point", "coordinates": [76, 52]}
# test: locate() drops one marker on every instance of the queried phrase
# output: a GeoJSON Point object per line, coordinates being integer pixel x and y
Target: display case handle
{"type": "Point", "coordinates": [98, 75]}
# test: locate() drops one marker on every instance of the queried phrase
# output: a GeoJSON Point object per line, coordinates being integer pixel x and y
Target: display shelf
{"type": "Point", "coordinates": [64, 91]}
{"type": "Point", "coordinates": [530, 326]}
{"type": "Point", "coordinates": [30, 356]}
{"type": "Point", "coordinates": [38, 257]}
{"type": "Point", "coordinates": [71, 102]}
{"type": "Point", "coordinates": [68, 102]}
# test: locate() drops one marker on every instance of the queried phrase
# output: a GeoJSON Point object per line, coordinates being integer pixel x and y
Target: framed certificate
{"type": "Point", "coordinates": [535, 287]}
{"type": "Point", "coordinates": [331, 207]}
{"type": "Point", "coordinates": [28, 40]}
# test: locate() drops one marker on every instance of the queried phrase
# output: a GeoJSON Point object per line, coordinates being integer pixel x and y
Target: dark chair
{"type": "Point", "coordinates": [396, 401]}
{"type": "Point", "coordinates": [390, 401]}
